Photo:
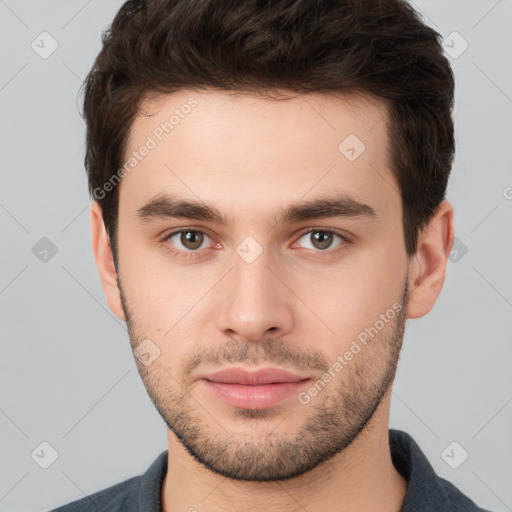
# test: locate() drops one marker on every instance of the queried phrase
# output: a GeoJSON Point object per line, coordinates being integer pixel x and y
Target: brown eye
{"type": "Point", "coordinates": [190, 240]}
{"type": "Point", "coordinates": [322, 239]}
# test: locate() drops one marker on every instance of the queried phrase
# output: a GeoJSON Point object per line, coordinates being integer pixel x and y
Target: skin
{"type": "Point", "coordinates": [298, 305]}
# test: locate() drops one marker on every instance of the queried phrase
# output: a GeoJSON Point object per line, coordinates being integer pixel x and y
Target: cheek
{"type": "Point", "coordinates": [352, 296]}
{"type": "Point", "coordinates": [164, 302]}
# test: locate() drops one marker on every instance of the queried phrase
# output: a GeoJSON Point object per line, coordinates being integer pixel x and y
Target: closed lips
{"type": "Point", "coordinates": [259, 377]}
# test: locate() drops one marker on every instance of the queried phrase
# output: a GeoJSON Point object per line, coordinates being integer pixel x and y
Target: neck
{"type": "Point", "coordinates": [361, 477]}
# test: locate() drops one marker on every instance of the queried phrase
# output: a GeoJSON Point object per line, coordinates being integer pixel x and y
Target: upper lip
{"type": "Point", "coordinates": [237, 375]}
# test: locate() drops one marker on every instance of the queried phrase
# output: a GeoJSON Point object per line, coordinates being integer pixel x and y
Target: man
{"type": "Point", "coordinates": [269, 183]}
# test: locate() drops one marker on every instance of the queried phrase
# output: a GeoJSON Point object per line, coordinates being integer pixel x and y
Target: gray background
{"type": "Point", "coordinates": [67, 372]}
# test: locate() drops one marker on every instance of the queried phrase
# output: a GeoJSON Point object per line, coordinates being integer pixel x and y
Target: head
{"type": "Point", "coordinates": [222, 138]}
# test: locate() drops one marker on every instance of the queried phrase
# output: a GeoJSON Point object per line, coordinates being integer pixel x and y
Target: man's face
{"type": "Point", "coordinates": [265, 289]}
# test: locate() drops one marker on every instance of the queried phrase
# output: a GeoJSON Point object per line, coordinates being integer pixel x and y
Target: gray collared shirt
{"type": "Point", "coordinates": [426, 492]}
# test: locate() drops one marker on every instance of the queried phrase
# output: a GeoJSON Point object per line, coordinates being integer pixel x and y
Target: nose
{"type": "Point", "coordinates": [253, 303]}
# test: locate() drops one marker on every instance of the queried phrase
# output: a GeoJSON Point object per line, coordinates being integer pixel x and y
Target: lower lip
{"type": "Point", "coordinates": [254, 397]}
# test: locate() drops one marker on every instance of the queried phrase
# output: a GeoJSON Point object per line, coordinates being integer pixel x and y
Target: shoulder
{"type": "Point", "coordinates": [131, 495]}
{"type": "Point", "coordinates": [456, 500]}
{"type": "Point", "coordinates": [426, 491]}
{"type": "Point", "coordinates": [116, 498]}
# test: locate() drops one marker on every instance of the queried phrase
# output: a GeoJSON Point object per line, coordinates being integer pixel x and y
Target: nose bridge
{"type": "Point", "coordinates": [253, 299]}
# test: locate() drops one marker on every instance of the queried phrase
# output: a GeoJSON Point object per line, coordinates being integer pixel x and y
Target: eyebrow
{"type": "Point", "coordinates": [165, 206]}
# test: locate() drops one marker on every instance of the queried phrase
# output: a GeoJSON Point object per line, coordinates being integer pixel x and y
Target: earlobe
{"type": "Point", "coordinates": [427, 267]}
{"type": "Point", "coordinates": [105, 261]}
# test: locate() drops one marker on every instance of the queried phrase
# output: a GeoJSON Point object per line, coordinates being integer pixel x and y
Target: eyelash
{"type": "Point", "coordinates": [318, 253]}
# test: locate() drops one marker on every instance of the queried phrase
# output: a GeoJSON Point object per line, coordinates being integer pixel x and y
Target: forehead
{"type": "Point", "coordinates": [234, 150]}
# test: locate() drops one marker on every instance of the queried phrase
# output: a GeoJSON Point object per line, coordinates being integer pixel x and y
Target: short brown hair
{"type": "Point", "coordinates": [380, 47]}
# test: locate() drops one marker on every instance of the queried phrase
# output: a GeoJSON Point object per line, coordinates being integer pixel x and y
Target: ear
{"type": "Point", "coordinates": [427, 267]}
{"type": "Point", "coordinates": [105, 260]}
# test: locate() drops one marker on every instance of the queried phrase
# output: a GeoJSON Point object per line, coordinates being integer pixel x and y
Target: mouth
{"type": "Point", "coordinates": [258, 389]}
